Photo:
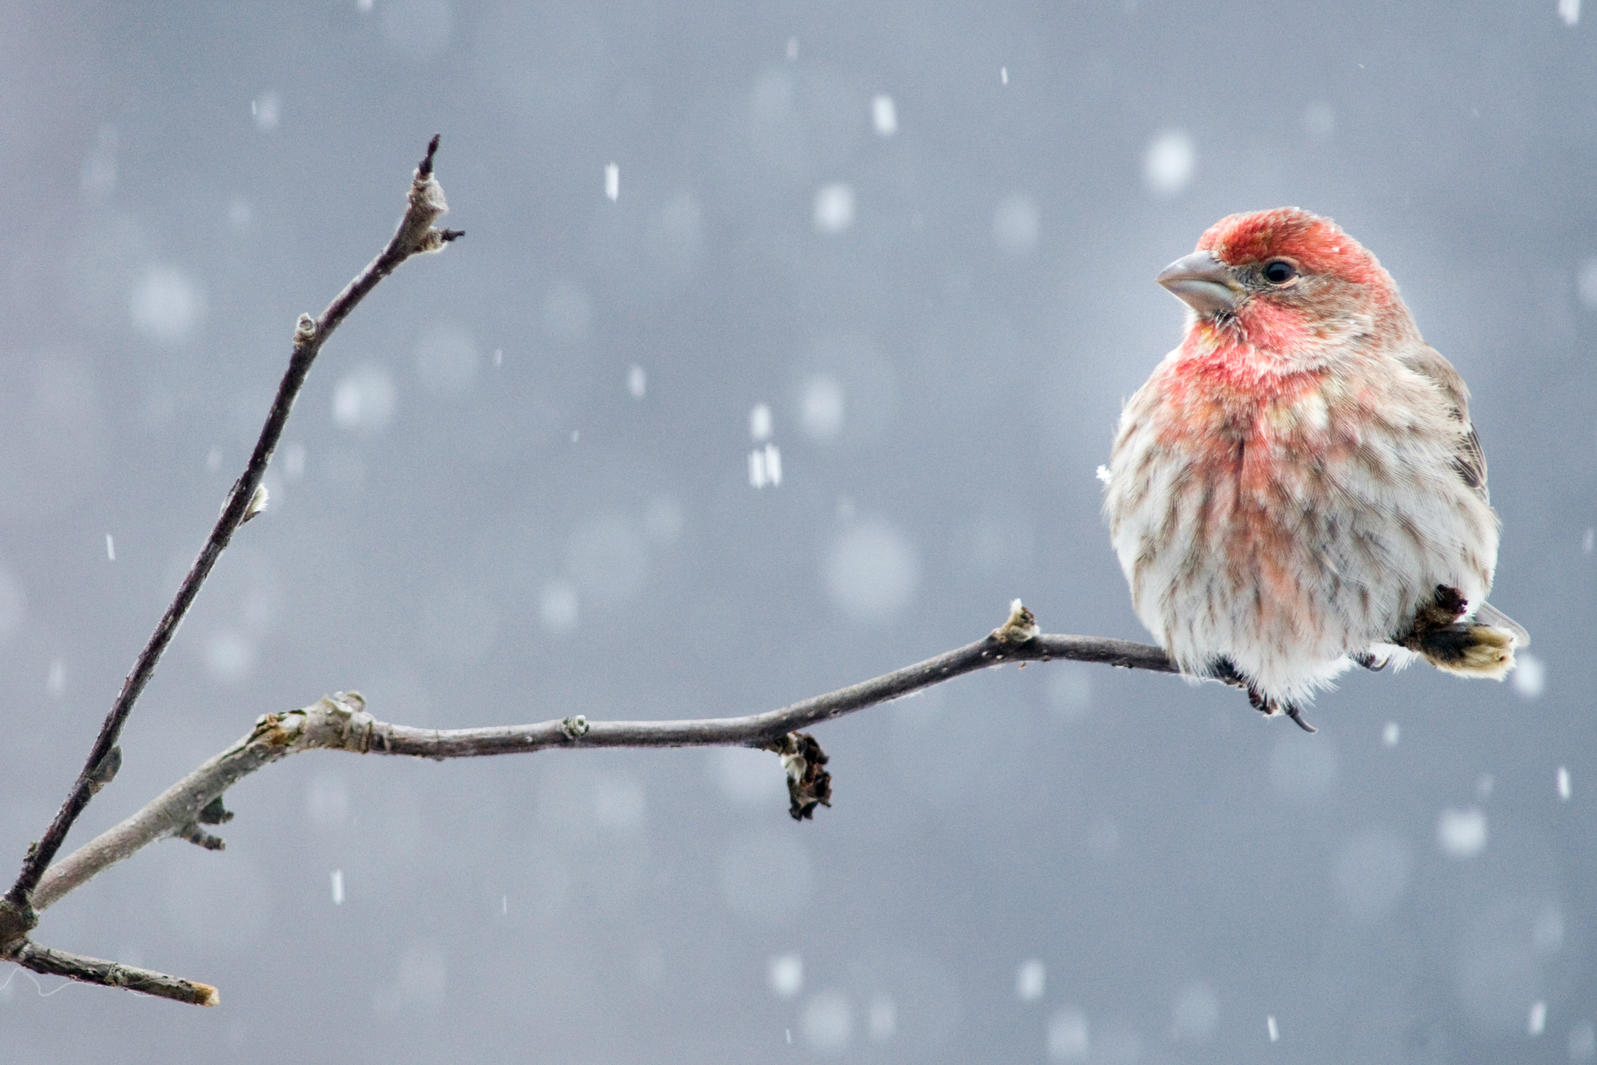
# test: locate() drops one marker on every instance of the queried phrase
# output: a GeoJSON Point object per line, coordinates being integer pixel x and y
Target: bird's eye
{"type": "Point", "coordinates": [1279, 271]}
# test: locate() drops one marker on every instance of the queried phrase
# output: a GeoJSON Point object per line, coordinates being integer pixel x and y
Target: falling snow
{"type": "Point", "coordinates": [765, 466]}
{"type": "Point", "coordinates": [761, 424]}
{"type": "Point", "coordinates": [612, 181]}
{"type": "Point", "coordinates": [1195, 1014]}
{"type": "Point", "coordinates": [827, 1022]}
{"type": "Point", "coordinates": [1030, 980]}
{"type": "Point", "coordinates": [1461, 833]}
{"type": "Point", "coordinates": [1168, 163]}
{"type": "Point", "coordinates": [1016, 223]}
{"type": "Point", "coordinates": [884, 115]}
{"type": "Point", "coordinates": [872, 571]}
{"type": "Point", "coordinates": [557, 606]}
{"type": "Point", "coordinates": [821, 407]}
{"type": "Point", "coordinates": [167, 305]}
{"type": "Point", "coordinates": [834, 207]}
{"type": "Point", "coordinates": [1068, 1038]}
{"type": "Point", "coordinates": [1529, 676]}
{"type": "Point", "coordinates": [364, 400]}
{"type": "Point", "coordinates": [784, 975]}
{"type": "Point", "coordinates": [267, 111]}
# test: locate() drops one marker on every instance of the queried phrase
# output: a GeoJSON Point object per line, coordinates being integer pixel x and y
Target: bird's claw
{"type": "Point", "coordinates": [1367, 660]}
{"type": "Point", "coordinates": [1298, 719]}
{"type": "Point", "coordinates": [1224, 670]}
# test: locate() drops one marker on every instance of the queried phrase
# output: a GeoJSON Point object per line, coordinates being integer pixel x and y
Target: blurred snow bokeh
{"type": "Point", "coordinates": [871, 571]}
{"type": "Point", "coordinates": [267, 111]}
{"type": "Point", "coordinates": [1529, 676]}
{"type": "Point", "coordinates": [1168, 163]}
{"type": "Point", "coordinates": [785, 975]}
{"type": "Point", "coordinates": [167, 304]}
{"type": "Point", "coordinates": [1067, 1036]}
{"type": "Point", "coordinates": [834, 207]}
{"type": "Point", "coordinates": [1016, 221]}
{"type": "Point", "coordinates": [827, 1022]}
{"type": "Point", "coordinates": [558, 606]}
{"type": "Point", "coordinates": [365, 399]}
{"type": "Point", "coordinates": [1195, 1014]}
{"type": "Point", "coordinates": [1461, 832]}
{"type": "Point", "coordinates": [1372, 874]}
{"type": "Point", "coordinates": [822, 405]}
{"type": "Point", "coordinates": [884, 115]}
{"type": "Point", "coordinates": [1031, 980]}
{"type": "Point", "coordinates": [447, 360]}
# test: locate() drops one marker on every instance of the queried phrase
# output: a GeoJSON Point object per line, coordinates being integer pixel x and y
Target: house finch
{"type": "Point", "coordinates": [1297, 488]}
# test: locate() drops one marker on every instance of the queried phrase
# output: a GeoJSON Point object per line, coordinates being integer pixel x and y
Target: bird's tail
{"type": "Point", "coordinates": [1480, 646]}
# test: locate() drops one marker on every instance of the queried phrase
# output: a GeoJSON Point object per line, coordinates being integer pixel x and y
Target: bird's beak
{"type": "Point", "coordinates": [1202, 282]}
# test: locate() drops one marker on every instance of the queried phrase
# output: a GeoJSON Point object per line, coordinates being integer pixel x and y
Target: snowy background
{"type": "Point", "coordinates": [905, 250]}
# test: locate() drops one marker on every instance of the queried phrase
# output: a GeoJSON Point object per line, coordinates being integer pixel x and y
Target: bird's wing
{"type": "Point", "coordinates": [1470, 461]}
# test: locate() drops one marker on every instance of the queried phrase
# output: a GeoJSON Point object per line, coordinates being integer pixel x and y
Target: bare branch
{"type": "Point", "coordinates": [414, 235]}
{"type": "Point", "coordinates": [113, 974]}
{"type": "Point", "coordinates": [178, 809]}
{"type": "Point", "coordinates": [341, 722]}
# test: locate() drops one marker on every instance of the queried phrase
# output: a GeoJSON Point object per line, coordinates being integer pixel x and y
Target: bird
{"type": "Point", "coordinates": [1297, 489]}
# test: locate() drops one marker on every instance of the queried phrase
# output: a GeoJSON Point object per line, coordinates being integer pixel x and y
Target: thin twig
{"type": "Point", "coordinates": [341, 722]}
{"type": "Point", "coordinates": [114, 974]}
{"type": "Point", "coordinates": [415, 234]}
{"type": "Point", "coordinates": [18, 913]}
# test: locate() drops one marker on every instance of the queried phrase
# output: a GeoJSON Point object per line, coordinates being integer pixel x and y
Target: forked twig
{"type": "Point", "coordinates": [416, 233]}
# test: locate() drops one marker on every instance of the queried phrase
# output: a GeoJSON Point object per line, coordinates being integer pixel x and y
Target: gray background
{"type": "Point", "coordinates": [476, 519]}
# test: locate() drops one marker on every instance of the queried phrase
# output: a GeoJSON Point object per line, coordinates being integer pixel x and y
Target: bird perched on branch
{"type": "Point", "coordinates": [1297, 488]}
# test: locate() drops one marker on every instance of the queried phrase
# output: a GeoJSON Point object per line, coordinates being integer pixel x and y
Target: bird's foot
{"type": "Point", "coordinates": [1367, 660]}
{"type": "Point", "coordinates": [1224, 670]}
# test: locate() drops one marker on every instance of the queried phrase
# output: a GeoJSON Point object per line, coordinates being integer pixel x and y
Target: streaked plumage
{"type": "Point", "coordinates": [1298, 486]}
